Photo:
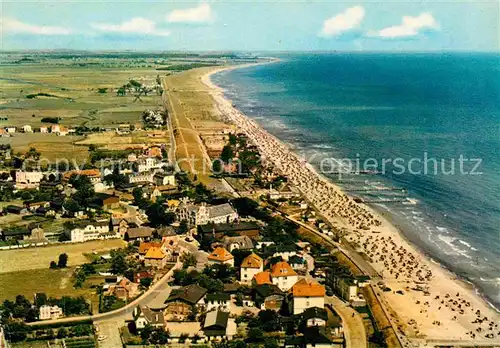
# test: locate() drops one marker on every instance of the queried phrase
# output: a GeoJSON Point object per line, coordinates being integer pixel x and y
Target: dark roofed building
{"type": "Point", "coordinates": [268, 296]}
{"type": "Point", "coordinates": [217, 325]}
{"type": "Point", "coordinates": [143, 316]}
{"type": "Point", "coordinates": [14, 209]}
{"type": "Point", "coordinates": [313, 316]}
{"type": "Point", "coordinates": [140, 233]}
{"type": "Point", "coordinates": [18, 232]}
{"type": "Point", "coordinates": [218, 301]}
{"type": "Point", "coordinates": [180, 301]}
{"type": "Point", "coordinates": [217, 231]}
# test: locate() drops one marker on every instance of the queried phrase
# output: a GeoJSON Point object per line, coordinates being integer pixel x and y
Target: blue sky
{"type": "Point", "coordinates": [253, 26]}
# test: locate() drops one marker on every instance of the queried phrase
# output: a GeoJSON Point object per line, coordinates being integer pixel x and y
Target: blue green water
{"type": "Point", "coordinates": [381, 106]}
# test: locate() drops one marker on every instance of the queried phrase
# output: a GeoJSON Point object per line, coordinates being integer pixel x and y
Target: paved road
{"type": "Point", "coordinates": [354, 329]}
{"type": "Point", "coordinates": [159, 289]}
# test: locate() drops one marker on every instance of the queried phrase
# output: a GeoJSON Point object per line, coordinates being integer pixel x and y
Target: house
{"type": "Point", "coordinates": [286, 192]}
{"type": "Point", "coordinates": [219, 326]}
{"type": "Point", "coordinates": [155, 257]}
{"type": "Point", "coordinates": [250, 266]}
{"type": "Point", "coordinates": [268, 296]}
{"type": "Point", "coordinates": [93, 174]}
{"type": "Point", "coordinates": [34, 205]}
{"type": "Point", "coordinates": [82, 231]}
{"type": "Point", "coordinates": [55, 128]}
{"type": "Point", "coordinates": [28, 178]}
{"type": "Point", "coordinates": [154, 151]}
{"type": "Point", "coordinates": [141, 275]}
{"type": "Point", "coordinates": [148, 164]}
{"type": "Point", "coordinates": [285, 251]}
{"type": "Point", "coordinates": [218, 301]}
{"type": "Point", "coordinates": [314, 316]}
{"type": "Point", "coordinates": [180, 301]}
{"type": "Point", "coordinates": [220, 256]}
{"type": "Point", "coordinates": [10, 130]}
{"type": "Point", "coordinates": [298, 263]}
{"type": "Point", "coordinates": [15, 209]}
{"type": "Point", "coordinates": [317, 337]}
{"type": "Point", "coordinates": [163, 178]}
{"type": "Point", "coordinates": [203, 214]}
{"type": "Point", "coordinates": [142, 177]}
{"type": "Point", "coordinates": [119, 225]}
{"type": "Point", "coordinates": [15, 233]}
{"type": "Point", "coordinates": [107, 201]}
{"type": "Point", "coordinates": [283, 275]}
{"type": "Point", "coordinates": [37, 234]}
{"type": "Point", "coordinates": [305, 294]}
{"type": "Point", "coordinates": [262, 278]}
{"type": "Point", "coordinates": [43, 129]}
{"type": "Point", "coordinates": [145, 316]}
{"type": "Point", "coordinates": [27, 129]}
{"type": "Point", "coordinates": [124, 290]}
{"type": "Point", "coordinates": [50, 312]}
{"type": "Point", "coordinates": [239, 242]}
{"type": "Point", "coordinates": [218, 231]}
{"type": "Point", "coordinates": [145, 246]}
{"type": "Point", "coordinates": [138, 233]}
{"type": "Point", "coordinates": [264, 243]}
{"type": "Point", "coordinates": [63, 131]}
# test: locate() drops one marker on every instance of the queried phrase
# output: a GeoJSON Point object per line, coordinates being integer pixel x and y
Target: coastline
{"type": "Point", "coordinates": [443, 280]}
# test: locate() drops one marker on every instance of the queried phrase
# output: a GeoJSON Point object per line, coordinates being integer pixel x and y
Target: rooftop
{"type": "Point", "coordinates": [220, 254]}
{"type": "Point", "coordinates": [155, 253]}
{"type": "Point", "coordinates": [262, 278]}
{"type": "Point", "coordinates": [308, 288]}
{"type": "Point", "coordinates": [252, 261]}
{"type": "Point", "coordinates": [191, 294]}
{"type": "Point", "coordinates": [282, 269]}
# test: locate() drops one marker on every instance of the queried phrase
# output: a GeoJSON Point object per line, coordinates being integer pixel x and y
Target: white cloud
{"type": "Point", "coordinates": [200, 14]}
{"type": "Point", "coordinates": [410, 26]}
{"type": "Point", "coordinates": [136, 25]}
{"type": "Point", "coordinates": [12, 25]}
{"type": "Point", "coordinates": [345, 21]}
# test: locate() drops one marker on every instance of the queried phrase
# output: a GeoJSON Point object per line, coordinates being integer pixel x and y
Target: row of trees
{"type": "Point", "coordinates": [62, 262]}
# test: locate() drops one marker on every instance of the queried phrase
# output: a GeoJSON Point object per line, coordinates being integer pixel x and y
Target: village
{"type": "Point", "coordinates": [236, 266]}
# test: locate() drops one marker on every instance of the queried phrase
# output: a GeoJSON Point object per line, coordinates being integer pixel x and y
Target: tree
{"type": "Point", "coordinates": [254, 334]}
{"type": "Point", "coordinates": [53, 265]}
{"type": "Point", "coordinates": [118, 262]}
{"type": "Point", "coordinates": [62, 332]}
{"type": "Point", "coordinates": [137, 85]}
{"type": "Point", "coordinates": [102, 90]}
{"type": "Point", "coordinates": [146, 282]}
{"type": "Point", "coordinates": [121, 92]}
{"type": "Point", "coordinates": [183, 227]}
{"type": "Point", "coordinates": [63, 261]}
{"type": "Point", "coordinates": [157, 215]}
{"type": "Point", "coordinates": [188, 260]}
{"type": "Point", "coordinates": [33, 153]}
{"type": "Point", "coordinates": [227, 154]}
{"type": "Point", "coordinates": [269, 320]}
{"type": "Point", "coordinates": [217, 166]}
{"type": "Point", "coordinates": [16, 331]}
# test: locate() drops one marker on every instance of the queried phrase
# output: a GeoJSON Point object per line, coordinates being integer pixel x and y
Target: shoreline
{"type": "Point", "coordinates": [444, 280]}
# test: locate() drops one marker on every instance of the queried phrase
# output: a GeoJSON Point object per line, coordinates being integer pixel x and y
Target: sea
{"type": "Point", "coordinates": [416, 136]}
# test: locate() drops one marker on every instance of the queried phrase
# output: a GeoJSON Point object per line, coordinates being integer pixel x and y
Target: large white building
{"type": "Point", "coordinates": [50, 312]}
{"type": "Point", "coordinates": [91, 230]}
{"type": "Point", "coordinates": [203, 214]}
{"type": "Point", "coordinates": [28, 178]}
{"type": "Point", "coordinates": [306, 294]}
{"type": "Point", "coordinates": [250, 266]}
{"type": "Point", "coordinates": [147, 164]}
{"type": "Point", "coordinates": [283, 275]}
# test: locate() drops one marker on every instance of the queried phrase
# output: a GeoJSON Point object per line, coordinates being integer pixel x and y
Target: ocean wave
{"type": "Point", "coordinates": [467, 244]}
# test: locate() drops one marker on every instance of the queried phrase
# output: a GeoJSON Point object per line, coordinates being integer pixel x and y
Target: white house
{"type": "Point", "coordinates": [50, 312]}
{"type": "Point", "coordinates": [250, 266]}
{"type": "Point", "coordinates": [315, 316]}
{"type": "Point", "coordinates": [140, 177]}
{"type": "Point", "coordinates": [307, 293]}
{"type": "Point", "coordinates": [283, 275]}
{"type": "Point", "coordinates": [218, 326]}
{"type": "Point", "coordinates": [27, 129]}
{"type": "Point", "coordinates": [218, 301]}
{"type": "Point", "coordinates": [10, 130]}
{"type": "Point", "coordinates": [44, 129]}
{"type": "Point", "coordinates": [83, 231]}
{"type": "Point", "coordinates": [203, 214]}
{"type": "Point", "coordinates": [221, 256]}
{"type": "Point", "coordinates": [144, 316]}
{"type": "Point", "coordinates": [163, 179]}
{"type": "Point", "coordinates": [147, 164]}
{"type": "Point", "coordinates": [28, 178]}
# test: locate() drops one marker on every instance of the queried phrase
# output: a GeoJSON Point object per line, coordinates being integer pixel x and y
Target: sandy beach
{"type": "Point", "coordinates": [431, 303]}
